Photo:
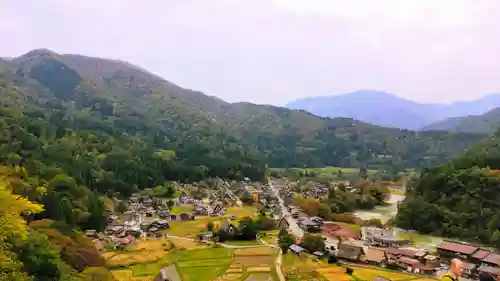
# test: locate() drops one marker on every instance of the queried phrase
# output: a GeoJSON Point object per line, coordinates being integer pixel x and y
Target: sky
{"type": "Point", "coordinates": [276, 51]}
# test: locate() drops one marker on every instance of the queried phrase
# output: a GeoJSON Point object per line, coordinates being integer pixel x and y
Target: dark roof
{"type": "Point", "coordinates": [297, 248]}
{"type": "Point", "coordinates": [457, 247]}
{"type": "Point", "coordinates": [408, 261]}
{"type": "Point", "coordinates": [489, 269]}
{"type": "Point", "coordinates": [492, 258]}
{"type": "Point", "coordinates": [349, 252]}
{"type": "Point", "coordinates": [481, 254]}
{"type": "Point", "coordinates": [469, 266]}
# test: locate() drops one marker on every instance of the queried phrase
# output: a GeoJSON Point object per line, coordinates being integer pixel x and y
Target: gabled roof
{"type": "Point", "coordinates": [481, 254]}
{"type": "Point", "coordinates": [297, 248]}
{"type": "Point", "coordinates": [350, 252]}
{"type": "Point", "coordinates": [457, 247]}
{"type": "Point", "coordinates": [493, 258]}
{"type": "Point", "coordinates": [375, 255]}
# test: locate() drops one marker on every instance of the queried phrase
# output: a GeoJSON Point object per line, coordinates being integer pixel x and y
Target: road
{"type": "Point", "coordinates": [294, 227]}
{"type": "Point", "coordinates": [222, 244]}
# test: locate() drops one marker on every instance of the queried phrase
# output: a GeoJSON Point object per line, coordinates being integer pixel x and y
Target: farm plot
{"type": "Point", "coordinates": [205, 264]}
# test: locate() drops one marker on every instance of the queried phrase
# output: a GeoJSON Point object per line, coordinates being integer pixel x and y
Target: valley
{"type": "Point", "coordinates": [111, 173]}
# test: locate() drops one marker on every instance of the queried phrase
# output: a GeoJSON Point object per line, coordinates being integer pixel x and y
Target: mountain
{"type": "Point", "coordinates": [387, 110]}
{"type": "Point", "coordinates": [487, 123]}
{"type": "Point", "coordinates": [59, 95]}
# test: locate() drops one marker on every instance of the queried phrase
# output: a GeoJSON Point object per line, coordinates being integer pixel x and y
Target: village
{"type": "Point", "coordinates": [151, 217]}
{"type": "Point", "coordinates": [381, 247]}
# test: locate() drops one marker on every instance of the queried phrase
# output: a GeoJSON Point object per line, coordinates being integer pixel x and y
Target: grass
{"type": "Point", "coordinates": [260, 251]}
{"type": "Point", "coordinates": [206, 262]}
{"type": "Point", "coordinates": [397, 191]}
{"type": "Point", "coordinates": [200, 273]}
{"type": "Point", "coordinates": [242, 243]}
{"type": "Point", "coordinates": [183, 208]}
{"type": "Point", "coordinates": [240, 212]}
{"type": "Point", "coordinates": [212, 253]}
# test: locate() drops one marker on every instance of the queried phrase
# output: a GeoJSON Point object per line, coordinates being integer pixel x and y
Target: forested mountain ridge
{"type": "Point", "coordinates": [126, 99]}
{"type": "Point", "coordinates": [487, 123]}
{"type": "Point", "coordinates": [457, 199]}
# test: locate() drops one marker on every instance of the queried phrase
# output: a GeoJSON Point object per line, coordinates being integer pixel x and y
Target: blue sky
{"type": "Point", "coordinates": [272, 52]}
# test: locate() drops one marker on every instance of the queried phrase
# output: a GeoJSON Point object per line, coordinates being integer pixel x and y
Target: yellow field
{"type": "Point", "coordinates": [186, 244]}
{"type": "Point", "coordinates": [142, 251]}
{"type": "Point", "coordinates": [259, 269]}
{"type": "Point", "coordinates": [334, 274]}
{"type": "Point", "coordinates": [260, 251]}
{"type": "Point", "coordinates": [240, 212]}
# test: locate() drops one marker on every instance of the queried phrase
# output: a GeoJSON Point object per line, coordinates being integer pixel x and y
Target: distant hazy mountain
{"type": "Point", "coordinates": [487, 123]}
{"type": "Point", "coordinates": [388, 110]}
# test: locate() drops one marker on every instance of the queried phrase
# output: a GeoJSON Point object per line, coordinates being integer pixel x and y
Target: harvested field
{"type": "Point", "coordinates": [258, 269]}
{"type": "Point", "coordinates": [149, 245]}
{"type": "Point", "coordinates": [260, 251]}
{"type": "Point", "coordinates": [186, 244]}
{"type": "Point", "coordinates": [205, 262]}
{"type": "Point", "coordinates": [334, 274]}
{"type": "Point", "coordinates": [253, 260]}
{"type": "Point", "coordinates": [234, 269]}
{"type": "Point", "coordinates": [231, 276]}
{"type": "Point", "coordinates": [127, 259]}
{"type": "Point", "coordinates": [212, 253]}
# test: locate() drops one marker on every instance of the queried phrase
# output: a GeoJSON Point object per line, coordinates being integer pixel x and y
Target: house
{"type": "Point", "coordinates": [216, 208]}
{"type": "Point", "coordinates": [168, 273]}
{"type": "Point", "coordinates": [173, 217]}
{"type": "Point", "coordinates": [479, 255]}
{"type": "Point", "coordinates": [147, 202]}
{"type": "Point", "coordinates": [389, 241]}
{"type": "Point", "coordinates": [201, 210]}
{"type": "Point", "coordinates": [349, 251]}
{"type": "Point", "coordinates": [154, 231]}
{"type": "Point", "coordinates": [160, 224]}
{"type": "Point", "coordinates": [186, 216]}
{"type": "Point", "coordinates": [449, 250]}
{"type": "Point", "coordinates": [375, 256]}
{"type": "Point", "coordinates": [282, 223]}
{"type": "Point", "coordinates": [128, 240]}
{"type": "Point", "coordinates": [495, 271]}
{"type": "Point", "coordinates": [183, 198]}
{"type": "Point", "coordinates": [164, 214]}
{"type": "Point", "coordinates": [227, 226]}
{"type": "Point", "coordinates": [340, 232]}
{"type": "Point", "coordinates": [492, 260]}
{"type": "Point", "coordinates": [297, 249]}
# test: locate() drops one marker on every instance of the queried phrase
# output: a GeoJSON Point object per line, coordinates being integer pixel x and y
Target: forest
{"type": "Point", "coordinates": [77, 132]}
{"type": "Point", "coordinates": [458, 199]}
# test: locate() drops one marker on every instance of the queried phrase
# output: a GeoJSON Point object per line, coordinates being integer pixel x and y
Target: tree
{"type": "Point", "coordinates": [210, 226]}
{"type": "Point", "coordinates": [248, 229]}
{"type": "Point", "coordinates": [313, 243]}
{"type": "Point", "coordinates": [40, 258]}
{"type": "Point", "coordinates": [13, 227]}
{"type": "Point", "coordinates": [121, 207]}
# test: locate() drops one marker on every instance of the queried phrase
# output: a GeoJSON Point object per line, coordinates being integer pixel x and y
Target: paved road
{"type": "Point", "coordinates": [222, 244]}
{"type": "Point", "coordinates": [294, 227]}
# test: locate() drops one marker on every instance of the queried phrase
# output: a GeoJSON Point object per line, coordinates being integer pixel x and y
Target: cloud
{"type": "Point", "coordinates": [275, 51]}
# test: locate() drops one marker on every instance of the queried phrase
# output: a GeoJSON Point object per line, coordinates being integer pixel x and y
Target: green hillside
{"type": "Point", "coordinates": [458, 199]}
{"type": "Point", "coordinates": [487, 123]}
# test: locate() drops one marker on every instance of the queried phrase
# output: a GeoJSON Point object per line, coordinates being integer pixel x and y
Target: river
{"type": "Point", "coordinates": [384, 213]}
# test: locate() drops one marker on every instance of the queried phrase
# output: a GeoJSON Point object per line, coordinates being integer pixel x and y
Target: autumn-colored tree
{"type": "Point", "coordinates": [310, 206]}
{"type": "Point", "coordinates": [13, 226]}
